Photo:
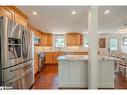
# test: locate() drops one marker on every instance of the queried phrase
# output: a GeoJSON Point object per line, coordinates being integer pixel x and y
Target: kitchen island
{"type": "Point", "coordinates": [73, 71]}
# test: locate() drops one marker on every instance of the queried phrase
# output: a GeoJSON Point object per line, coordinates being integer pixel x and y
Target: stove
{"type": "Point", "coordinates": [41, 61]}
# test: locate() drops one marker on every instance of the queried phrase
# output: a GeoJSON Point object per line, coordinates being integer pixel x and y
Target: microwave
{"type": "Point", "coordinates": [36, 40]}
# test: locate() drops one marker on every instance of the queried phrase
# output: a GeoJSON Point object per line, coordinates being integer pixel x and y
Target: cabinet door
{"type": "Point", "coordinates": [74, 39]}
{"type": "Point", "coordinates": [63, 73]}
{"type": "Point", "coordinates": [70, 40]}
{"type": "Point", "coordinates": [77, 39]}
{"type": "Point", "coordinates": [84, 73]}
{"type": "Point", "coordinates": [44, 39]}
{"type": "Point", "coordinates": [19, 19]}
{"type": "Point", "coordinates": [75, 72]}
{"type": "Point", "coordinates": [6, 13]}
{"type": "Point", "coordinates": [35, 63]}
{"type": "Point", "coordinates": [49, 39]}
{"type": "Point", "coordinates": [54, 58]}
{"type": "Point", "coordinates": [78, 73]}
{"type": "Point", "coordinates": [48, 58]}
{"type": "Point", "coordinates": [106, 73]}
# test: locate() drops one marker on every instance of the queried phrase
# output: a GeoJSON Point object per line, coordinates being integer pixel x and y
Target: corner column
{"type": "Point", "coordinates": [93, 48]}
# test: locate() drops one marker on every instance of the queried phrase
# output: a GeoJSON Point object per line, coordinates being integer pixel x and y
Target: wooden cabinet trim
{"type": "Point", "coordinates": [15, 14]}
{"type": "Point", "coordinates": [7, 11]}
{"type": "Point", "coordinates": [16, 10]}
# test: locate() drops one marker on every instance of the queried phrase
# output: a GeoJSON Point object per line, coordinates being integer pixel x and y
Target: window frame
{"type": "Point", "coordinates": [124, 39]}
{"type": "Point", "coordinates": [84, 42]}
{"type": "Point", "coordinates": [59, 36]}
{"type": "Point", "coordinates": [110, 43]}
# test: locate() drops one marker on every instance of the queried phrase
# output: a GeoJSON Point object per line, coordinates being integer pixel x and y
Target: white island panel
{"type": "Point", "coordinates": [72, 74]}
{"type": "Point", "coordinates": [78, 73]}
{"type": "Point", "coordinates": [63, 69]}
{"type": "Point", "coordinates": [106, 74]}
{"type": "Point", "coordinates": [73, 71]}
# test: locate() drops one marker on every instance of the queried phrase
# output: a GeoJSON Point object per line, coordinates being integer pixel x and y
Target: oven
{"type": "Point", "coordinates": [41, 61]}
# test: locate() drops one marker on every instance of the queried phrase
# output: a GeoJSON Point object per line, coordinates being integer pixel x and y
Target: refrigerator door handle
{"type": "Point", "coordinates": [20, 67]}
{"type": "Point", "coordinates": [24, 44]}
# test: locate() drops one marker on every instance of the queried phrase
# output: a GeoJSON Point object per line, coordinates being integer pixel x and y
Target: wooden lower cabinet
{"type": "Point", "coordinates": [80, 53]}
{"type": "Point", "coordinates": [51, 57]}
{"type": "Point", "coordinates": [48, 58]}
{"type": "Point", "coordinates": [35, 63]}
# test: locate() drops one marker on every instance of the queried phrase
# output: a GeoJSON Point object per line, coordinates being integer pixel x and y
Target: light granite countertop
{"type": "Point", "coordinates": [84, 57]}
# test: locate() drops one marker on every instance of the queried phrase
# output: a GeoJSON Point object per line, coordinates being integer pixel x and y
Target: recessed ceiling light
{"type": "Point", "coordinates": [107, 11]}
{"type": "Point", "coordinates": [73, 12]}
{"type": "Point", "coordinates": [34, 13]}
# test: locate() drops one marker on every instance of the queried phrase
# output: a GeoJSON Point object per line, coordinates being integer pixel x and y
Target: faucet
{"type": "Point", "coordinates": [59, 49]}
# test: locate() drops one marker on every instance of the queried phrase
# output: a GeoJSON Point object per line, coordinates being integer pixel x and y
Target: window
{"type": "Point", "coordinates": [113, 43]}
{"type": "Point", "coordinates": [124, 41]}
{"type": "Point", "coordinates": [86, 41]}
{"type": "Point", "coordinates": [59, 40]}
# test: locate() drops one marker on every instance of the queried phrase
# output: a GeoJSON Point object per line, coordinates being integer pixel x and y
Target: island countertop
{"type": "Point", "coordinates": [84, 57]}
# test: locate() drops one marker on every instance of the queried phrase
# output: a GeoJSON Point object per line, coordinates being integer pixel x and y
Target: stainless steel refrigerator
{"type": "Point", "coordinates": [17, 55]}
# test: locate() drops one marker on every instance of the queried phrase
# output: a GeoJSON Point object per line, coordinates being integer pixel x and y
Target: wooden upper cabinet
{"type": "Point", "coordinates": [6, 13]}
{"type": "Point", "coordinates": [19, 16]}
{"type": "Point", "coordinates": [78, 40]}
{"type": "Point", "coordinates": [13, 13]}
{"type": "Point", "coordinates": [50, 39]}
{"type": "Point", "coordinates": [70, 40]}
{"type": "Point", "coordinates": [21, 20]}
{"type": "Point", "coordinates": [46, 39]}
{"type": "Point", "coordinates": [74, 39]}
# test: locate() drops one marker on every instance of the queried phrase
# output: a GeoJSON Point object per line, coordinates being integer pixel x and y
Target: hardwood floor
{"type": "Point", "coordinates": [120, 81]}
{"type": "Point", "coordinates": [48, 79]}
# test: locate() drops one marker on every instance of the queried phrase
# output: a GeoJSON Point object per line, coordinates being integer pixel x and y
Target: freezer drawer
{"type": "Point", "coordinates": [15, 71]}
{"type": "Point", "coordinates": [24, 81]}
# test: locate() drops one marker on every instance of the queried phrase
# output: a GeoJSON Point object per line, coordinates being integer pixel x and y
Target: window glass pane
{"type": "Point", "coordinates": [59, 41]}
{"type": "Point", "coordinates": [113, 44]}
{"type": "Point", "coordinates": [86, 41]}
{"type": "Point", "coordinates": [125, 41]}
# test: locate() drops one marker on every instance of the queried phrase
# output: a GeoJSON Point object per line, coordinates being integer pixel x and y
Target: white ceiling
{"type": "Point", "coordinates": [60, 20]}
